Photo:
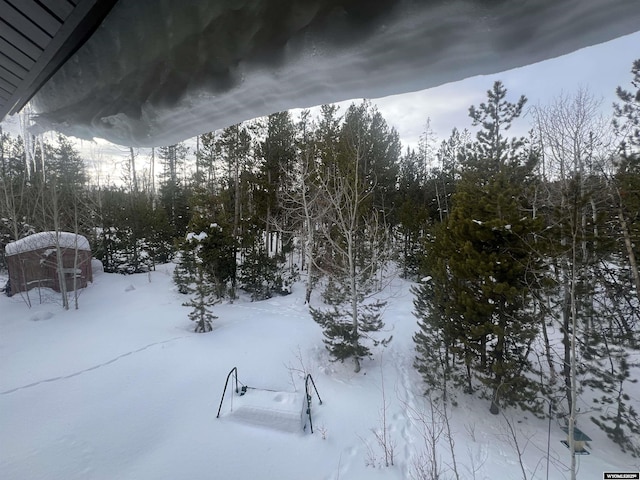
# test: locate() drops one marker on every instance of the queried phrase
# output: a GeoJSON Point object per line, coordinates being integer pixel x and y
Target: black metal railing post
{"type": "Point", "coordinates": [234, 369]}
{"type": "Point", "coordinates": [306, 391]}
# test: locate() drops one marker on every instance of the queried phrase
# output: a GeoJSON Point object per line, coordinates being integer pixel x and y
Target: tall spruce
{"type": "Point", "coordinates": [627, 178]}
{"type": "Point", "coordinates": [476, 299]}
{"type": "Point", "coordinates": [278, 152]}
{"type": "Point", "coordinates": [173, 191]}
{"type": "Point", "coordinates": [199, 285]}
{"type": "Point", "coordinates": [411, 211]}
{"type": "Point", "coordinates": [269, 240]}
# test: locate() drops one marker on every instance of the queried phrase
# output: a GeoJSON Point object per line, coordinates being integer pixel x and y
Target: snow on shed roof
{"type": "Point", "coordinates": [47, 239]}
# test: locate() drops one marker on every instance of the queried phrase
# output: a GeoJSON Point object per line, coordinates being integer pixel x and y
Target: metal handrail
{"type": "Point", "coordinates": [308, 393]}
{"type": "Point", "coordinates": [234, 369]}
{"type": "Point", "coordinates": [306, 390]}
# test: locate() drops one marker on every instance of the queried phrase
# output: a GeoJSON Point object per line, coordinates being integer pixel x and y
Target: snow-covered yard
{"type": "Point", "coordinates": [123, 389]}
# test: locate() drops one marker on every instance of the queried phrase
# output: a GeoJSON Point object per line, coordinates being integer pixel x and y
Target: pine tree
{"type": "Point", "coordinates": [267, 231]}
{"type": "Point", "coordinates": [441, 358]}
{"type": "Point", "coordinates": [258, 273]}
{"type": "Point", "coordinates": [476, 300]}
{"type": "Point", "coordinates": [202, 300]}
{"type": "Point", "coordinates": [193, 278]}
{"type": "Point", "coordinates": [278, 153]}
{"type": "Point", "coordinates": [173, 193]}
{"type": "Point", "coordinates": [608, 370]}
{"type": "Point", "coordinates": [412, 213]}
{"type": "Point", "coordinates": [492, 150]}
{"type": "Point", "coordinates": [342, 340]}
{"type": "Point", "coordinates": [212, 249]}
{"type": "Point", "coordinates": [185, 271]}
{"type": "Point", "coordinates": [626, 184]}
{"type": "Point", "coordinates": [17, 197]}
{"type": "Point", "coordinates": [627, 114]}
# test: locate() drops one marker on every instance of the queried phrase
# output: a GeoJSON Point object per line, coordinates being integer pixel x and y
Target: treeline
{"type": "Point", "coordinates": [530, 288]}
{"type": "Point", "coordinates": [524, 249]}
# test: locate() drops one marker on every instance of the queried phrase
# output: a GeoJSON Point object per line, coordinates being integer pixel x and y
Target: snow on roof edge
{"type": "Point", "coordinates": [47, 239]}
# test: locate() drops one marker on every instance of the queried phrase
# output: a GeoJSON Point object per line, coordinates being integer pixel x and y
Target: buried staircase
{"type": "Point", "coordinates": [285, 411]}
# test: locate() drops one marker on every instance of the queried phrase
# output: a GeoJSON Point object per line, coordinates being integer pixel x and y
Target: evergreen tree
{"type": "Point", "coordinates": [476, 300]}
{"type": "Point", "coordinates": [213, 253]}
{"type": "Point", "coordinates": [17, 196]}
{"type": "Point", "coordinates": [173, 192]}
{"type": "Point", "coordinates": [235, 145]}
{"type": "Point", "coordinates": [626, 184]}
{"type": "Point", "coordinates": [492, 150]}
{"type": "Point", "coordinates": [64, 183]}
{"type": "Point", "coordinates": [201, 303]}
{"type": "Point", "coordinates": [278, 153]}
{"type": "Point", "coordinates": [353, 235]}
{"type": "Point", "coordinates": [365, 134]}
{"type": "Point", "coordinates": [262, 275]}
{"type": "Point", "coordinates": [184, 273]}
{"type": "Point", "coordinates": [607, 366]}
{"type": "Point", "coordinates": [441, 355]}
{"type": "Point", "coordinates": [627, 114]}
{"type": "Point", "coordinates": [267, 236]}
{"type": "Point", "coordinates": [131, 236]}
{"type": "Point", "coordinates": [193, 278]}
{"type": "Point", "coordinates": [342, 339]}
{"type": "Point", "coordinates": [411, 213]}
{"type": "Point", "coordinates": [209, 175]}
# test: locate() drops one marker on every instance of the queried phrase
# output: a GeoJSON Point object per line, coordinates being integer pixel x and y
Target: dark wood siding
{"type": "Point", "coordinates": [38, 269]}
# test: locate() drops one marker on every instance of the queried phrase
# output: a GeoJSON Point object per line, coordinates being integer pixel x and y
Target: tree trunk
{"type": "Point", "coordinates": [75, 254]}
{"type": "Point", "coordinates": [153, 178]}
{"type": "Point", "coordinates": [574, 385]}
{"type": "Point", "coordinates": [236, 207]}
{"type": "Point", "coordinates": [59, 260]}
{"type": "Point", "coordinates": [308, 251]}
{"type": "Point", "coordinates": [354, 296]}
{"type": "Point", "coordinates": [633, 264]}
{"type": "Point", "coordinates": [499, 364]}
{"type": "Point", "coordinates": [547, 350]}
{"type": "Point", "coordinates": [566, 340]}
{"type": "Point", "coordinates": [134, 179]}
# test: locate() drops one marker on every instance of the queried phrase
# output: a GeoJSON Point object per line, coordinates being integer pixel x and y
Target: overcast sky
{"type": "Point", "coordinates": [600, 69]}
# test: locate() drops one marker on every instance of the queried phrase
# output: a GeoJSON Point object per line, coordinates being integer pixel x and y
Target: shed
{"type": "Point", "coordinates": [33, 262]}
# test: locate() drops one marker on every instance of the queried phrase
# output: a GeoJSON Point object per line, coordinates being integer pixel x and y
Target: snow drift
{"type": "Point", "coordinates": [158, 72]}
{"type": "Point", "coordinates": [124, 389]}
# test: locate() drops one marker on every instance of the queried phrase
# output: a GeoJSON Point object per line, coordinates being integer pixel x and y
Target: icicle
{"type": "Point", "coordinates": [28, 151]}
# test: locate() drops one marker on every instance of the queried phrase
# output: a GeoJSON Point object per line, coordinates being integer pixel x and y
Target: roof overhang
{"type": "Point", "coordinates": [149, 73]}
{"type": "Point", "coordinates": [36, 39]}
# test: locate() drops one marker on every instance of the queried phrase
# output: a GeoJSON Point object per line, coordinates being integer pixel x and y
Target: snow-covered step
{"type": "Point", "coordinates": [282, 411]}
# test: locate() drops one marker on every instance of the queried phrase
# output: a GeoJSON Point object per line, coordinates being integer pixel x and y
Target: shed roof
{"type": "Point", "coordinates": [45, 240]}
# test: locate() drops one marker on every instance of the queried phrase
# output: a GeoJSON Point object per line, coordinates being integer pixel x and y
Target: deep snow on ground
{"type": "Point", "coordinates": [123, 389]}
